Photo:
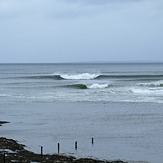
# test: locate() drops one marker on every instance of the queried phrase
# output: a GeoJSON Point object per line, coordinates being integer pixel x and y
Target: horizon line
{"type": "Point", "coordinates": [86, 62]}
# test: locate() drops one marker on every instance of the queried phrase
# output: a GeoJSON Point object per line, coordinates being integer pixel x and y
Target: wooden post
{"type": "Point", "coordinates": [92, 140]}
{"type": "Point", "coordinates": [4, 159]}
{"type": "Point", "coordinates": [41, 151]}
{"type": "Point", "coordinates": [58, 148]}
{"type": "Point", "coordinates": [76, 145]}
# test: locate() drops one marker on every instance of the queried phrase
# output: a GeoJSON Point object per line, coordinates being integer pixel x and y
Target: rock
{"type": "Point", "coordinates": [3, 122]}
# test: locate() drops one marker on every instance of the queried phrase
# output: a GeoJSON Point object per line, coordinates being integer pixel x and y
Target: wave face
{"type": "Point", "coordinates": [77, 86]}
{"type": "Point", "coordinates": [131, 76]}
{"type": "Point", "coordinates": [54, 77]}
{"type": "Point", "coordinates": [88, 86]}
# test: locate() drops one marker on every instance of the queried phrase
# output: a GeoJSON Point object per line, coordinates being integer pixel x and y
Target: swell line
{"type": "Point", "coordinates": [87, 76]}
{"type": "Point", "coordinates": [128, 76]}
{"type": "Point", "coordinates": [89, 86]}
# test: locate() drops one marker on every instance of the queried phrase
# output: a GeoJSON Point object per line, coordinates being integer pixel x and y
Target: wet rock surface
{"type": "Point", "coordinates": [3, 122]}
{"type": "Point", "coordinates": [13, 152]}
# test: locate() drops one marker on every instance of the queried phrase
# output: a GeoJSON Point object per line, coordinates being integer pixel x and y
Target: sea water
{"type": "Point", "coordinates": [120, 105]}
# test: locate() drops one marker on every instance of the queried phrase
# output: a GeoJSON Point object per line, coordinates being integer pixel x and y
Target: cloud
{"type": "Point", "coordinates": [80, 29]}
{"type": "Point", "coordinates": [8, 9]}
{"type": "Point", "coordinates": [57, 6]}
{"type": "Point", "coordinates": [99, 2]}
{"type": "Point", "coordinates": [63, 9]}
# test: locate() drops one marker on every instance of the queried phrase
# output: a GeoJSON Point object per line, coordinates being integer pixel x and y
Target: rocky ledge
{"type": "Point", "coordinates": [3, 122]}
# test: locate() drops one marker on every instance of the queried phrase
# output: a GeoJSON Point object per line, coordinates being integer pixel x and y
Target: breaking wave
{"type": "Point", "coordinates": [85, 86]}
{"type": "Point", "coordinates": [88, 76]}
{"type": "Point", "coordinates": [84, 76]}
{"type": "Point", "coordinates": [98, 86]}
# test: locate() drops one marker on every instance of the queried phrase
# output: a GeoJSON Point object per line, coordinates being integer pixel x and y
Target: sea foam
{"type": "Point", "coordinates": [83, 76]}
{"type": "Point", "coordinates": [98, 86]}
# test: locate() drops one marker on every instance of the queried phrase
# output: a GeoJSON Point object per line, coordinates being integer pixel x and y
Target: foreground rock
{"type": "Point", "coordinates": [16, 153]}
{"type": "Point", "coordinates": [3, 122]}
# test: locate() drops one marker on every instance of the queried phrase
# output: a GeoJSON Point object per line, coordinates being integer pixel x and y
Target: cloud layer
{"type": "Point", "coordinates": [81, 30]}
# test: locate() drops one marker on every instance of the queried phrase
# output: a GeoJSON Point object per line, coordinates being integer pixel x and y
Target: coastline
{"type": "Point", "coordinates": [12, 151]}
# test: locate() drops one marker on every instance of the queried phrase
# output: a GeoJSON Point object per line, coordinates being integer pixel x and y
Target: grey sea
{"type": "Point", "coordinates": [119, 105]}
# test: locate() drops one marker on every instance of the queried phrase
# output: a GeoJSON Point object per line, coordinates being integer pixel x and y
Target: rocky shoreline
{"type": "Point", "coordinates": [11, 151]}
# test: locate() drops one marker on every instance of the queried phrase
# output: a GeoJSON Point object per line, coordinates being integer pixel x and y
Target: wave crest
{"type": "Point", "coordinates": [84, 76]}
{"type": "Point", "coordinates": [154, 84]}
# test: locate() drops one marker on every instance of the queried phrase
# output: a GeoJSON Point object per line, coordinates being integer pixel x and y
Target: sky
{"type": "Point", "coordinates": [34, 31]}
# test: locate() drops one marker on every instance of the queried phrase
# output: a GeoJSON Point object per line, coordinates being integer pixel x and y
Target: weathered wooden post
{"type": "Point", "coordinates": [76, 145]}
{"type": "Point", "coordinates": [92, 140]}
{"type": "Point", "coordinates": [58, 148]}
{"type": "Point", "coordinates": [41, 151]}
{"type": "Point", "coordinates": [4, 159]}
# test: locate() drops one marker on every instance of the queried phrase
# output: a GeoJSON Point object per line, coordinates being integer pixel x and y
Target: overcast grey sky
{"type": "Point", "coordinates": [81, 30]}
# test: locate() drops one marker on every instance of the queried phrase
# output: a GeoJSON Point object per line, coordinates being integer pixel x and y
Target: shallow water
{"type": "Point", "coordinates": [126, 131]}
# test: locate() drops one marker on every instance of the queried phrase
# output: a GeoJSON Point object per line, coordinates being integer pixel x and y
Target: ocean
{"type": "Point", "coordinates": [120, 105]}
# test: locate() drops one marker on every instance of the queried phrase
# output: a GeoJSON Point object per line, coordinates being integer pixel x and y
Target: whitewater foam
{"type": "Point", "coordinates": [148, 91]}
{"type": "Point", "coordinates": [83, 76]}
{"type": "Point", "coordinates": [98, 86]}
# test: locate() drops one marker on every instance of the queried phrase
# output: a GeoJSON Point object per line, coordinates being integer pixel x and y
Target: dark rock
{"type": "Point", "coordinates": [3, 122]}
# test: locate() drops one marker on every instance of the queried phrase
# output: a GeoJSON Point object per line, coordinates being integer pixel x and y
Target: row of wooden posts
{"type": "Point", "coordinates": [76, 147]}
